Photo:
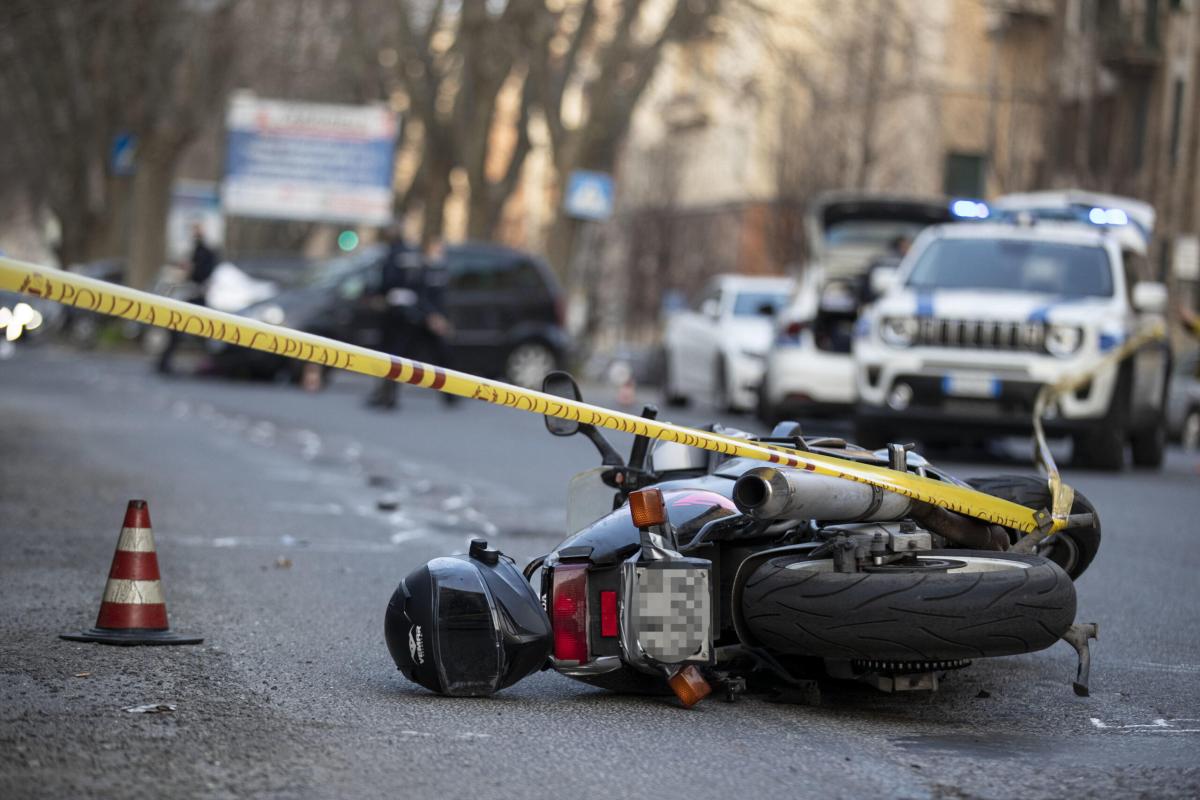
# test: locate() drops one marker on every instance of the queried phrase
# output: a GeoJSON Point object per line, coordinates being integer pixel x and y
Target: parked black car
{"type": "Point", "coordinates": [505, 306]}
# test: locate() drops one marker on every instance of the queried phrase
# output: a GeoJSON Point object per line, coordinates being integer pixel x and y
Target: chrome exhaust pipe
{"type": "Point", "coordinates": [772, 493]}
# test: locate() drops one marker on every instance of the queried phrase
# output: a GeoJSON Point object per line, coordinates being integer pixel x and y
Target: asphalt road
{"type": "Point", "coordinates": [284, 521]}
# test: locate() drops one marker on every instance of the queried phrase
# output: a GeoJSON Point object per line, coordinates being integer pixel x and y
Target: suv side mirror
{"type": "Point", "coordinates": [882, 280]}
{"type": "Point", "coordinates": [561, 384]}
{"type": "Point", "coordinates": [1150, 297]}
{"type": "Point", "coordinates": [711, 308]}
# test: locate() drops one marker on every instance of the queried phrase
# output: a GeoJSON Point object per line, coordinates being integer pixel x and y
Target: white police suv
{"type": "Point", "coordinates": [978, 317]}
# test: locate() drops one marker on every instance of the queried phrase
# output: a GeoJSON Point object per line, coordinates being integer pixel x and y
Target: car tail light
{"type": "Point", "coordinates": [568, 612]}
{"type": "Point", "coordinates": [790, 333]}
{"type": "Point", "coordinates": [608, 614]}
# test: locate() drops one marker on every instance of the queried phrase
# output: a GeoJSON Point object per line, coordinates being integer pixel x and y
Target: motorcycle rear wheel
{"type": "Point", "coordinates": [993, 604]}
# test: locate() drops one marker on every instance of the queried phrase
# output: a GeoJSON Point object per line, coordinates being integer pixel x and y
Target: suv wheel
{"type": "Point", "coordinates": [1102, 447]}
{"type": "Point", "coordinates": [528, 363]}
{"type": "Point", "coordinates": [1149, 446]}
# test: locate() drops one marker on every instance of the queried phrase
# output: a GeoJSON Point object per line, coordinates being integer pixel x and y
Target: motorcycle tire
{"type": "Point", "coordinates": [998, 604]}
{"type": "Point", "coordinates": [1072, 549]}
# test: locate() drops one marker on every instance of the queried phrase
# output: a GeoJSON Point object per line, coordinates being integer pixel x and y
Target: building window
{"type": "Point", "coordinates": [965, 174]}
{"type": "Point", "coordinates": [1176, 114]}
{"type": "Point", "coordinates": [1151, 32]}
{"type": "Point", "coordinates": [1141, 112]}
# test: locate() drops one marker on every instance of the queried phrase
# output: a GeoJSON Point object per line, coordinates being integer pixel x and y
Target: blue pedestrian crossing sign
{"type": "Point", "coordinates": [589, 195]}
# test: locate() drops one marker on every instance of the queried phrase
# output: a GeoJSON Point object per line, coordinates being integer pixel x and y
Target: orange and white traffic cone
{"type": "Point", "coordinates": [133, 610]}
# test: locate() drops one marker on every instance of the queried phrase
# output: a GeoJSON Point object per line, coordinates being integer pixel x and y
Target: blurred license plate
{"type": "Point", "coordinates": [970, 384]}
{"type": "Point", "coordinates": [672, 613]}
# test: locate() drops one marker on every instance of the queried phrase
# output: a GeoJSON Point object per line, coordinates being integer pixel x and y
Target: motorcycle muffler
{"type": "Point", "coordinates": [772, 493]}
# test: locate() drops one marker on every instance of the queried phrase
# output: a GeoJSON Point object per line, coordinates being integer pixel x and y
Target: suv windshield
{"type": "Point", "coordinates": [1067, 270]}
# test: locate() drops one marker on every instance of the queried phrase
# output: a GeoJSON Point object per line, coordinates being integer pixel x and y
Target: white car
{"type": "Point", "coordinates": [809, 369]}
{"type": "Point", "coordinates": [714, 349]}
{"type": "Point", "coordinates": [981, 316]}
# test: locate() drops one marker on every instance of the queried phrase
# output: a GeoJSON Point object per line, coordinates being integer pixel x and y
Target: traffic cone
{"type": "Point", "coordinates": [627, 393]}
{"type": "Point", "coordinates": [133, 610]}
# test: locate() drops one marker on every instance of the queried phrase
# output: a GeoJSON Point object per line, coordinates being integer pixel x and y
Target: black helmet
{"type": "Point", "coordinates": [467, 625]}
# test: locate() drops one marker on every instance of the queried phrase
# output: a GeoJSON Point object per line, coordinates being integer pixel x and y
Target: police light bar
{"type": "Point", "coordinates": [1108, 216]}
{"type": "Point", "coordinates": [970, 209]}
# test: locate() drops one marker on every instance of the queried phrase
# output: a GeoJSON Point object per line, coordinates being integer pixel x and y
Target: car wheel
{"type": "Point", "coordinates": [1189, 436]}
{"type": "Point", "coordinates": [1101, 448]}
{"type": "Point", "coordinates": [528, 363]}
{"type": "Point", "coordinates": [155, 340]}
{"type": "Point", "coordinates": [671, 395]}
{"type": "Point", "coordinates": [720, 396]}
{"type": "Point", "coordinates": [84, 332]}
{"type": "Point", "coordinates": [765, 412]}
{"type": "Point", "coordinates": [1149, 446]}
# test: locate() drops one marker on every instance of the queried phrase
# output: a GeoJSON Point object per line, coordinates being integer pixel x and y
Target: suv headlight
{"type": "Point", "coordinates": [1063, 340]}
{"type": "Point", "coordinates": [898, 331]}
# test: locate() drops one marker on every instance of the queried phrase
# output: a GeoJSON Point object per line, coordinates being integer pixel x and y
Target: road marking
{"type": "Point", "coordinates": [315, 509]}
{"type": "Point", "coordinates": [1157, 726]}
{"type": "Point", "coordinates": [1187, 669]}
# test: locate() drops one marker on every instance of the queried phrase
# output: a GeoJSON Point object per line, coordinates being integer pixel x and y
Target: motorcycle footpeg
{"type": "Point", "coordinates": [1077, 636]}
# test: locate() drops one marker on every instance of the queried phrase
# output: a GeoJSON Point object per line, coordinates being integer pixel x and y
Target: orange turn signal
{"type": "Point", "coordinates": [647, 507]}
{"type": "Point", "coordinates": [689, 686]}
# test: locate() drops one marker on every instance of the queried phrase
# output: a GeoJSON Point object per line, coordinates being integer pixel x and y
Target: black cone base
{"type": "Point", "coordinates": [130, 636]}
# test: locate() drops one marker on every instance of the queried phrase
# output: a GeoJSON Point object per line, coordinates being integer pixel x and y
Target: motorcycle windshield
{"type": "Point", "coordinates": [588, 499]}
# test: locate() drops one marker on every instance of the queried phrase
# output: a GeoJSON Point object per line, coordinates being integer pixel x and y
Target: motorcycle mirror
{"type": "Point", "coordinates": [561, 384]}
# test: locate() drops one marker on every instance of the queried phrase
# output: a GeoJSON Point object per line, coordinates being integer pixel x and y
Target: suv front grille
{"type": "Point", "coordinates": [1028, 337]}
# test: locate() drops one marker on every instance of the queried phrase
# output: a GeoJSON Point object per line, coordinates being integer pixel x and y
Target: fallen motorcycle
{"type": "Point", "coordinates": [688, 570]}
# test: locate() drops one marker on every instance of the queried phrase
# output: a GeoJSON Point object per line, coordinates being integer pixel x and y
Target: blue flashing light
{"type": "Point", "coordinates": [1107, 216]}
{"type": "Point", "coordinates": [970, 209]}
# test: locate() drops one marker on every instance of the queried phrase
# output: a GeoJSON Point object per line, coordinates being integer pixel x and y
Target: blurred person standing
{"type": "Point", "coordinates": [412, 299]}
{"type": "Point", "coordinates": [199, 271]}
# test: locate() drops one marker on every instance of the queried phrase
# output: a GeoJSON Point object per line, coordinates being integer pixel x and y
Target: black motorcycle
{"type": "Point", "coordinates": [688, 570]}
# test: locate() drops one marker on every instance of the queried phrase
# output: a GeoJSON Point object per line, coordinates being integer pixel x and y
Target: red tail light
{"type": "Point", "coordinates": [790, 333]}
{"type": "Point", "coordinates": [568, 612]}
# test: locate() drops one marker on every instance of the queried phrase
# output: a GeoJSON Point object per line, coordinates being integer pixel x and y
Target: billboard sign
{"type": "Point", "coordinates": [308, 161]}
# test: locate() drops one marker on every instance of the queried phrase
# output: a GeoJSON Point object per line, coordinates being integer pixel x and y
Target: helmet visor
{"type": "Point", "coordinates": [469, 655]}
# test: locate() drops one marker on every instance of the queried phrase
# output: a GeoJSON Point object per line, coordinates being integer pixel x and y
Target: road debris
{"type": "Point", "coordinates": [151, 708]}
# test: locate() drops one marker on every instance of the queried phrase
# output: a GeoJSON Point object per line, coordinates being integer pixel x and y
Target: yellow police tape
{"type": "Point", "coordinates": [150, 309]}
{"type": "Point", "coordinates": [1063, 496]}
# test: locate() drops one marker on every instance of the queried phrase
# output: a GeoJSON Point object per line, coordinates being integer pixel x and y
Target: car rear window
{"type": "Point", "coordinates": [1066, 270]}
{"type": "Point", "coordinates": [490, 274]}
{"type": "Point", "coordinates": [747, 304]}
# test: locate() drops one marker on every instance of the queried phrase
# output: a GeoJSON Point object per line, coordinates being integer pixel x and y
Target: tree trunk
{"type": "Point", "coordinates": [436, 190]}
{"type": "Point", "coordinates": [560, 246]}
{"type": "Point", "coordinates": [481, 211]}
{"type": "Point", "coordinates": [151, 204]}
